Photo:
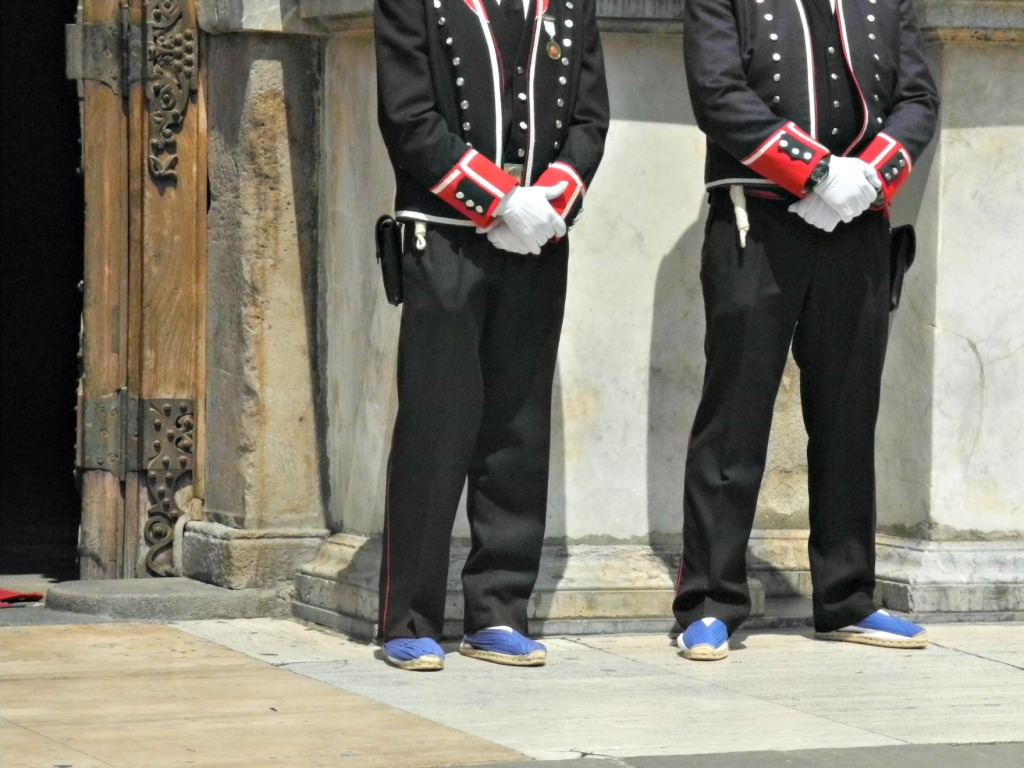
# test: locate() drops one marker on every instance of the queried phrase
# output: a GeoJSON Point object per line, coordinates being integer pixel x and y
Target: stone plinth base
{"type": "Point", "coordinates": [977, 579]}
{"type": "Point", "coordinates": [581, 589]}
{"type": "Point", "coordinates": [243, 559]}
{"type": "Point", "coordinates": [982, 577]}
{"type": "Point", "coordinates": [778, 559]}
{"type": "Point", "coordinates": [163, 599]}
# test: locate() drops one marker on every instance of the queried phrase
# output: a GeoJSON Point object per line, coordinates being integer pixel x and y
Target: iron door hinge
{"type": "Point", "coordinates": [108, 433]}
{"type": "Point", "coordinates": [161, 52]}
{"type": "Point", "coordinates": [121, 433]}
{"type": "Point", "coordinates": [109, 52]}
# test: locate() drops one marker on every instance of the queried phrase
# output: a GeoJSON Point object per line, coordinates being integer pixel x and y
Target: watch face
{"type": "Point", "coordinates": [820, 171]}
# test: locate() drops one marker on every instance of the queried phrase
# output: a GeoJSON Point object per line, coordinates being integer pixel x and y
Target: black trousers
{"type": "Point", "coordinates": [826, 295]}
{"type": "Point", "coordinates": [476, 359]}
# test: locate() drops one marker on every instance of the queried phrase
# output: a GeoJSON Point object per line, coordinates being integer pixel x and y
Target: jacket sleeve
{"type": "Point", "coordinates": [583, 147]}
{"type": "Point", "coordinates": [729, 111]}
{"type": "Point", "coordinates": [911, 123]}
{"type": "Point", "coordinates": [411, 122]}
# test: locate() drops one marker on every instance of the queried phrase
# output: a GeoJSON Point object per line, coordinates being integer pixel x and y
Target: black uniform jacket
{"type": "Point", "coordinates": [750, 73]}
{"type": "Point", "coordinates": [441, 112]}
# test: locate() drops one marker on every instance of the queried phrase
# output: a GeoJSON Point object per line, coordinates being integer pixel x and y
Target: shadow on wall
{"type": "Point", "coordinates": [556, 527]}
{"type": "Point", "coordinates": [675, 377]}
{"type": "Point", "coordinates": [675, 382]}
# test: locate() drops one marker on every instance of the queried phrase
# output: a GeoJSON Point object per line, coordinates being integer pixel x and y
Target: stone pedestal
{"type": "Point", "coordinates": [951, 429]}
{"type": "Point", "coordinates": [630, 365]}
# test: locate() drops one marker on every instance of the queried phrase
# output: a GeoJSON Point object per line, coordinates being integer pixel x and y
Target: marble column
{"type": "Point", "coordinates": [631, 362]}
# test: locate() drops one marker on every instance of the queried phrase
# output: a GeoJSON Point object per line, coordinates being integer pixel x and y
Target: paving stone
{"type": "Point", "coordinates": [262, 692]}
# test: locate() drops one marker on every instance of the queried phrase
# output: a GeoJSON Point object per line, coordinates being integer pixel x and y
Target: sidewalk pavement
{"type": "Point", "coordinates": [276, 692]}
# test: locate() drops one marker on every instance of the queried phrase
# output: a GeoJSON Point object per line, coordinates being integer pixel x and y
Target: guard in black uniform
{"type": "Point", "coordinates": [494, 113]}
{"type": "Point", "coordinates": [814, 114]}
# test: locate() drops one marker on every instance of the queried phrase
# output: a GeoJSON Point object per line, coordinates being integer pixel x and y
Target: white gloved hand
{"type": "Point", "coordinates": [501, 236]}
{"type": "Point", "coordinates": [850, 187]}
{"type": "Point", "coordinates": [529, 215]}
{"type": "Point", "coordinates": [816, 212]}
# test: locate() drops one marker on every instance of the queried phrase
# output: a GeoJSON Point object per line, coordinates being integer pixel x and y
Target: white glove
{"type": "Point", "coordinates": [816, 212]}
{"type": "Point", "coordinates": [850, 187]}
{"type": "Point", "coordinates": [529, 215]}
{"type": "Point", "coordinates": [501, 236]}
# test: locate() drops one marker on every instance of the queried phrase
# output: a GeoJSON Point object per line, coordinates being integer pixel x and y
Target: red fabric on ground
{"type": "Point", "coordinates": [9, 598]}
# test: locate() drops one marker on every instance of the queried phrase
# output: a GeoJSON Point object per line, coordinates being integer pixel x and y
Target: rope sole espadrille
{"type": "Point", "coordinates": [880, 629]}
{"type": "Point", "coordinates": [503, 645]}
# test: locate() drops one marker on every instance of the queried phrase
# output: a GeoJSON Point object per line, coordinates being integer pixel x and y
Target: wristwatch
{"type": "Point", "coordinates": [819, 173]}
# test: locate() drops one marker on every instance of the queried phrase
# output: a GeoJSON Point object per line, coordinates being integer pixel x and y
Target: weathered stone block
{"type": "Point", "coordinates": [241, 559]}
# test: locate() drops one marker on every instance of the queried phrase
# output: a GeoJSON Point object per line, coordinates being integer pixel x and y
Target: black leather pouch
{"type": "Point", "coordinates": [388, 235]}
{"type": "Point", "coordinates": [902, 249]}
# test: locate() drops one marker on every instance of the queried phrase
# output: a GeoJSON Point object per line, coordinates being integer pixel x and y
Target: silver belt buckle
{"type": "Point", "coordinates": [515, 170]}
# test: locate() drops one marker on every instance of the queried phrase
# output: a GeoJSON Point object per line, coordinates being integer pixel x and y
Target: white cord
{"type": "Point", "coordinates": [739, 206]}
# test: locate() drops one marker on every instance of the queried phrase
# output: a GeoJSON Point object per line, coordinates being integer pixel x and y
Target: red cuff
{"type": "Point", "coordinates": [574, 186]}
{"type": "Point", "coordinates": [474, 187]}
{"type": "Point", "coordinates": [891, 160]}
{"type": "Point", "coordinates": [787, 158]}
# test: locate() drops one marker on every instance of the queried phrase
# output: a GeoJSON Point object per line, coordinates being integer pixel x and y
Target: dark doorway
{"type": "Point", "coordinates": [41, 254]}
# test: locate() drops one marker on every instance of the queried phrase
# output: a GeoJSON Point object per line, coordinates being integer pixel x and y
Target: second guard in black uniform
{"type": "Point", "coordinates": [815, 113]}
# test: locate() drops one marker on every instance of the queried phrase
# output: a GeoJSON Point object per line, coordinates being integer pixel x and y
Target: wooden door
{"type": "Point", "coordinates": [144, 168]}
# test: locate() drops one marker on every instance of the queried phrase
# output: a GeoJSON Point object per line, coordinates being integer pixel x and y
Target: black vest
{"type": "Point", "coordinates": [839, 113]}
{"type": "Point", "coordinates": [510, 35]}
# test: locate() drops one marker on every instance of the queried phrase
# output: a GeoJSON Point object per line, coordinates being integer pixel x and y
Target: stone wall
{"type": "Point", "coordinates": [630, 365]}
